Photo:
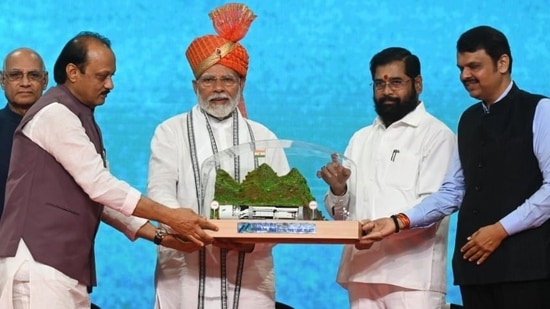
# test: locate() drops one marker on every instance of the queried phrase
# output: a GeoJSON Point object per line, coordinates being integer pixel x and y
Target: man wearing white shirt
{"type": "Point", "coordinates": [57, 188]}
{"type": "Point", "coordinates": [400, 159]}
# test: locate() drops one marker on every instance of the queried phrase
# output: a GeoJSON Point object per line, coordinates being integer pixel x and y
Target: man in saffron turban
{"type": "Point", "coordinates": [231, 22]}
{"type": "Point", "coordinates": [221, 274]}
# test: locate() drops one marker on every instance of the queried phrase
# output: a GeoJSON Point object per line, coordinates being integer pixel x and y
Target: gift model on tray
{"type": "Point", "coordinates": [267, 191]}
{"type": "Point", "coordinates": [263, 195]}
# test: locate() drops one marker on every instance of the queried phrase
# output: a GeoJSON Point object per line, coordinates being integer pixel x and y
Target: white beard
{"type": "Point", "coordinates": [217, 110]}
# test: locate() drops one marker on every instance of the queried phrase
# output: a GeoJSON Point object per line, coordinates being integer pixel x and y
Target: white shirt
{"type": "Point", "coordinates": [59, 131]}
{"type": "Point", "coordinates": [395, 168]}
{"type": "Point", "coordinates": [171, 181]}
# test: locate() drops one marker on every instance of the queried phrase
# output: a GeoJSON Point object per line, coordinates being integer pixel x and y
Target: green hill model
{"type": "Point", "coordinates": [262, 187]}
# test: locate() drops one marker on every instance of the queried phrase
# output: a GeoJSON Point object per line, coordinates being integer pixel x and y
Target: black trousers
{"type": "Point", "coordinates": [510, 295]}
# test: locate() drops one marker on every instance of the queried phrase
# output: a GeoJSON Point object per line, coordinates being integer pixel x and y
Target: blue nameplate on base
{"type": "Point", "coordinates": [277, 227]}
{"type": "Point", "coordinates": [288, 231]}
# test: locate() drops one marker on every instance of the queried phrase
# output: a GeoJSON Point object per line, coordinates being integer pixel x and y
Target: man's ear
{"type": "Point", "coordinates": [2, 79]}
{"type": "Point", "coordinates": [72, 72]}
{"type": "Point", "coordinates": [418, 86]}
{"type": "Point", "coordinates": [503, 63]}
{"type": "Point", "coordinates": [243, 82]}
{"type": "Point", "coordinates": [46, 79]}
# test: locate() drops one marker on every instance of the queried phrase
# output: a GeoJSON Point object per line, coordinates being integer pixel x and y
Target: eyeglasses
{"type": "Point", "coordinates": [211, 81]}
{"type": "Point", "coordinates": [33, 76]}
{"type": "Point", "coordinates": [393, 83]}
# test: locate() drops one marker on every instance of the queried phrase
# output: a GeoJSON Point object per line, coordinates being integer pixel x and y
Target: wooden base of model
{"type": "Point", "coordinates": [288, 231]}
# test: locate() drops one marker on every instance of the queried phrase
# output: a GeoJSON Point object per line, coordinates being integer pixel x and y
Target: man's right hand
{"type": "Point", "coordinates": [148, 231]}
{"type": "Point", "coordinates": [377, 230]}
{"type": "Point", "coordinates": [335, 175]}
{"type": "Point", "coordinates": [183, 221]}
{"type": "Point", "coordinates": [190, 225]}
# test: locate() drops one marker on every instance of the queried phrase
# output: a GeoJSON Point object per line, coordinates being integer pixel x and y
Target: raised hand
{"type": "Point", "coordinates": [335, 175]}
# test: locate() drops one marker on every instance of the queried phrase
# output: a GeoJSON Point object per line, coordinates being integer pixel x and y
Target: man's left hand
{"type": "Point", "coordinates": [483, 243]}
{"type": "Point", "coordinates": [179, 243]}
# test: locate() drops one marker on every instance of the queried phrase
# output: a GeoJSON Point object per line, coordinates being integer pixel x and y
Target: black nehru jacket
{"type": "Point", "coordinates": [500, 173]}
{"type": "Point", "coordinates": [9, 121]}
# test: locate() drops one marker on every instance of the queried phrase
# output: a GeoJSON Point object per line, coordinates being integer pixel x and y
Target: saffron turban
{"type": "Point", "coordinates": [231, 22]}
{"type": "Point", "coordinates": [208, 50]}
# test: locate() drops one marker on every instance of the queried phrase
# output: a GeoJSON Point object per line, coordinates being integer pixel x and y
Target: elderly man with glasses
{"type": "Point", "coordinates": [24, 78]}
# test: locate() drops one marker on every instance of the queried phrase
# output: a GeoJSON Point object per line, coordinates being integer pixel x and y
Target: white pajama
{"type": "Point", "coordinates": [33, 285]}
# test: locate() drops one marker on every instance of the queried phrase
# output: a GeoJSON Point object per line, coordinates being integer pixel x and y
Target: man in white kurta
{"type": "Point", "coordinates": [180, 146]}
{"type": "Point", "coordinates": [399, 159]}
{"type": "Point", "coordinates": [172, 182]}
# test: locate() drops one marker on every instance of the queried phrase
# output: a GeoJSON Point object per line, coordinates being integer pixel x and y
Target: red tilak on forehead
{"type": "Point", "coordinates": [385, 77]}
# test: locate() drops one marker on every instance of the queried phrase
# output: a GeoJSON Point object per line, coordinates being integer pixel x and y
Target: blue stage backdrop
{"type": "Point", "coordinates": [308, 80]}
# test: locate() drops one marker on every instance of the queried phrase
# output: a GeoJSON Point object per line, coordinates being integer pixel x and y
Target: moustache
{"type": "Point", "coordinates": [469, 80]}
{"type": "Point", "coordinates": [219, 96]}
{"type": "Point", "coordinates": [389, 98]}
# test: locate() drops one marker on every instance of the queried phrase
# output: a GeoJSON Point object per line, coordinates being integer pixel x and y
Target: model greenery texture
{"type": "Point", "coordinates": [262, 187]}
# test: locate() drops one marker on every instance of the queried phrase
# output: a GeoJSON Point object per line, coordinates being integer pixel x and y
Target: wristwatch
{"type": "Point", "coordinates": [160, 233]}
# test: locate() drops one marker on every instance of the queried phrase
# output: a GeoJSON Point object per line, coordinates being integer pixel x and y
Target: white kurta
{"type": "Point", "coordinates": [396, 167]}
{"type": "Point", "coordinates": [171, 182]}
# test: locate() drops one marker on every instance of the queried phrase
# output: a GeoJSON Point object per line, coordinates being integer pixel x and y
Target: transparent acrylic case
{"type": "Point", "coordinates": [281, 156]}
